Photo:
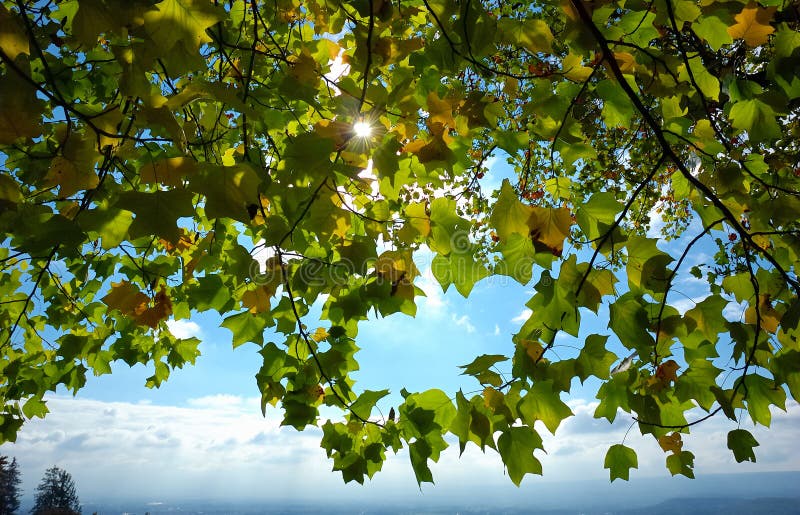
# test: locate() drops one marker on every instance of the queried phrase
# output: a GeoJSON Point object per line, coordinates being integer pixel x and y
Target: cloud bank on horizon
{"type": "Point", "coordinates": [220, 447]}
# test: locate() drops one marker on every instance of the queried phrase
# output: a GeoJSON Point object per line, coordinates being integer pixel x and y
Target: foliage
{"type": "Point", "coordinates": [55, 494]}
{"type": "Point", "coordinates": [9, 485]}
{"type": "Point", "coordinates": [150, 148]}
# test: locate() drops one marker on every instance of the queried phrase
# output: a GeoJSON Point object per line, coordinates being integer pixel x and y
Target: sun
{"type": "Point", "coordinates": [362, 129]}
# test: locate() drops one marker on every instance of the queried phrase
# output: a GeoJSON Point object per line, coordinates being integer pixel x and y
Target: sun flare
{"type": "Point", "coordinates": [362, 129]}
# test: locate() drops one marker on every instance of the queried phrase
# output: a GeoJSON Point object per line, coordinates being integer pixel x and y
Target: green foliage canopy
{"type": "Point", "coordinates": [149, 148]}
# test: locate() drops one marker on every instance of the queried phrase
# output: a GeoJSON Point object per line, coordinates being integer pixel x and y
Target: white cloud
{"type": "Point", "coordinates": [220, 447]}
{"type": "Point", "coordinates": [522, 317]}
{"type": "Point", "coordinates": [496, 330]}
{"type": "Point", "coordinates": [184, 329]}
{"type": "Point", "coordinates": [219, 401]}
{"type": "Point", "coordinates": [463, 321]}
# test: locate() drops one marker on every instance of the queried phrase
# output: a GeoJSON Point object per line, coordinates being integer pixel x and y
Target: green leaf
{"type": "Point", "coordinates": [362, 407]}
{"type": "Point", "coordinates": [629, 321]}
{"type": "Point", "coordinates": [516, 446]}
{"type": "Point", "coordinates": [480, 369]}
{"type": "Point", "coordinates": [597, 214]}
{"type": "Point", "coordinates": [713, 30]}
{"type": "Point", "coordinates": [619, 461]}
{"type": "Point", "coordinates": [757, 118]}
{"type": "Point", "coordinates": [647, 265]}
{"type": "Point", "coordinates": [741, 442]}
{"type": "Point", "coordinates": [245, 328]}
{"type": "Point", "coordinates": [181, 21]}
{"type": "Point", "coordinates": [110, 225]}
{"type": "Point", "coordinates": [761, 394]}
{"type": "Point", "coordinates": [449, 232]}
{"type": "Point", "coordinates": [617, 108]}
{"type": "Point", "coordinates": [681, 463]}
{"type": "Point", "coordinates": [459, 269]}
{"type": "Point", "coordinates": [157, 212]}
{"type": "Point", "coordinates": [533, 35]}
{"type": "Point", "coordinates": [613, 395]}
{"type": "Point", "coordinates": [509, 215]}
{"type": "Point", "coordinates": [542, 403]}
{"type": "Point", "coordinates": [35, 408]}
{"type": "Point", "coordinates": [519, 257]}
{"type": "Point", "coordinates": [229, 190]}
{"type": "Point", "coordinates": [594, 359]}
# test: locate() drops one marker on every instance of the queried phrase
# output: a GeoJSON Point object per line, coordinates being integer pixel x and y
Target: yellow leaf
{"type": "Point", "coordinates": [574, 69]}
{"type": "Point", "coordinates": [671, 442]}
{"type": "Point", "coordinates": [126, 298]}
{"type": "Point", "coordinates": [753, 25]}
{"type": "Point", "coordinates": [549, 226]}
{"type": "Point", "coordinates": [185, 242]}
{"type": "Point", "coordinates": [258, 213]}
{"type": "Point", "coordinates": [69, 178]}
{"type": "Point", "coordinates": [257, 300]}
{"type": "Point", "coordinates": [625, 61]}
{"type": "Point", "coordinates": [13, 39]}
{"type": "Point", "coordinates": [339, 132]}
{"type": "Point", "coordinates": [161, 310]}
{"type": "Point", "coordinates": [770, 317]}
{"type": "Point", "coordinates": [533, 349]}
{"type": "Point", "coordinates": [440, 110]}
{"type": "Point", "coordinates": [493, 399]}
{"type": "Point", "coordinates": [320, 334]}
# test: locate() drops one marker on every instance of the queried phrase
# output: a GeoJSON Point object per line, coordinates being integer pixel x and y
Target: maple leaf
{"type": "Point", "coordinates": [69, 178]}
{"type": "Point", "coordinates": [169, 172]}
{"type": "Point", "coordinates": [549, 226]}
{"type": "Point", "coordinates": [161, 310]}
{"type": "Point", "coordinates": [664, 376]}
{"type": "Point", "coordinates": [440, 110]}
{"type": "Point", "coordinates": [126, 298]}
{"type": "Point", "coordinates": [671, 442]}
{"type": "Point", "coordinates": [257, 300]}
{"type": "Point", "coordinates": [185, 21]}
{"type": "Point", "coordinates": [753, 25]}
{"type": "Point", "coordinates": [13, 39]}
{"type": "Point", "coordinates": [770, 317]}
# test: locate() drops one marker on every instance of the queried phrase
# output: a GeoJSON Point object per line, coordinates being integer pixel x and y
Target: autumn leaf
{"type": "Point", "coordinates": [13, 40]}
{"type": "Point", "coordinates": [161, 310]}
{"type": "Point", "coordinates": [257, 300]}
{"type": "Point", "coordinates": [549, 227]}
{"type": "Point", "coordinates": [770, 317]}
{"type": "Point", "coordinates": [671, 442]}
{"type": "Point", "coordinates": [126, 298]}
{"type": "Point", "coordinates": [752, 24]}
{"type": "Point", "coordinates": [666, 372]}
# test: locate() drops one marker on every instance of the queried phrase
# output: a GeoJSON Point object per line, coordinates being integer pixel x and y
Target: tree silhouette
{"type": "Point", "coordinates": [56, 494]}
{"type": "Point", "coordinates": [9, 485]}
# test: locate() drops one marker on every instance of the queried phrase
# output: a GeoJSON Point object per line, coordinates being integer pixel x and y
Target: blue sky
{"type": "Point", "coordinates": [202, 434]}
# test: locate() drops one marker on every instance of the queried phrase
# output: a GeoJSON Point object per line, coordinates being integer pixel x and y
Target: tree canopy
{"type": "Point", "coordinates": [9, 485]}
{"type": "Point", "coordinates": [55, 494]}
{"type": "Point", "coordinates": [150, 148]}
